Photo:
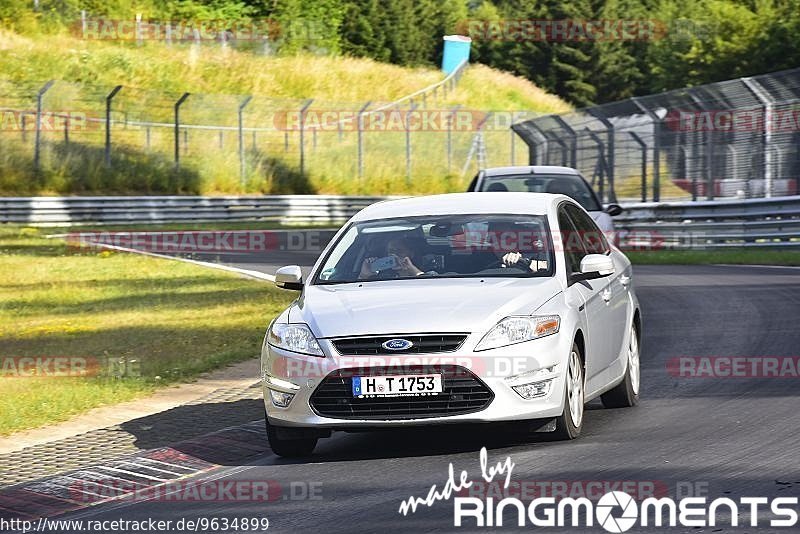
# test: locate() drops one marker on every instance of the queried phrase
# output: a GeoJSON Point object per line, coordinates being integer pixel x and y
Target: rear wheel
{"type": "Point", "coordinates": [626, 393]}
{"type": "Point", "coordinates": [289, 447]}
{"type": "Point", "coordinates": [570, 422]}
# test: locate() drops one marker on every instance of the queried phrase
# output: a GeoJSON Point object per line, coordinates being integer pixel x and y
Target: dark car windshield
{"type": "Point", "coordinates": [571, 185]}
{"type": "Point", "coordinates": [440, 246]}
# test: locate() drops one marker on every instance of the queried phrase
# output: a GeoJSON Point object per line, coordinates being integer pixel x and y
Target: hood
{"type": "Point", "coordinates": [415, 306]}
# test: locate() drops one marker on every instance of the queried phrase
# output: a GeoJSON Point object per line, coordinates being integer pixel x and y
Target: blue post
{"type": "Point", "coordinates": [456, 50]}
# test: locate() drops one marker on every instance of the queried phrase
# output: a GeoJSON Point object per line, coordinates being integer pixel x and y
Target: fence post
{"type": "Point", "coordinates": [564, 151]}
{"type": "Point", "coordinates": [766, 141]}
{"type": "Point", "coordinates": [710, 165]}
{"type": "Point", "coordinates": [450, 118]}
{"type": "Point", "coordinates": [178, 104]}
{"type": "Point", "coordinates": [601, 163]}
{"type": "Point", "coordinates": [656, 147]}
{"type": "Point", "coordinates": [303, 110]}
{"type": "Point", "coordinates": [360, 126]}
{"type": "Point", "coordinates": [408, 143]}
{"type": "Point", "coordinates": [38, 134]}
{"type": "Point", "coordinates": [642, 144]}
{"type": "Point", "coordinates": [532, 156]}
{"type": "Point", "coordinates": [139, 29]}
{"type": "Point", "coordinates": [573, 151]}
{"type": "Point", "coordinates": [513, 139]}
{"type": "Point", "coordinates": [109, 98]}
{"type": "Point", "coordinates": [242, 161]}
{"type": "Point", "coordinates": [612, 194]}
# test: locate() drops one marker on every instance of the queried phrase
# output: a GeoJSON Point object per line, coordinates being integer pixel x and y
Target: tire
{"type": "Point", "coordinates": [626, 393]}
{"type": "Point", "coordinates": [289, 448]}
{"type": "Point", "coordinates": [570, 422]}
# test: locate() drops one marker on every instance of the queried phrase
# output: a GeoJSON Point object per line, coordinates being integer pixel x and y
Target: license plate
{"type": "Point", "coordinates": [396, 385]}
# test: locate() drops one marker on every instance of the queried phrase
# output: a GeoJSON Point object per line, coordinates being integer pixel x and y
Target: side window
{"type": "Point", "coordinates": [571, 243]}
{"type": "Point", "coordinates": [592, 237]}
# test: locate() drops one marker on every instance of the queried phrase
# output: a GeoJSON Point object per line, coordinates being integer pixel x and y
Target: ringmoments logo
{"type": "Point", "coordinates": [615, 511]}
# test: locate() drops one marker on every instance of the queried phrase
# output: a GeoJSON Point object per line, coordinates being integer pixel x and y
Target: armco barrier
{"type": "Point", "coordinates": [68, 211]}
{"type": "Point", "coordinates": [768, 222]}
{"type": "Point", "coordinates": [772, 222]}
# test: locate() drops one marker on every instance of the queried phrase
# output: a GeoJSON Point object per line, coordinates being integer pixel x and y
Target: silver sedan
{"type": "Point", "coordinates": [453, 309]}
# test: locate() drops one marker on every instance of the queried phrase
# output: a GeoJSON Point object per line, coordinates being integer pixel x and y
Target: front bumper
{"type": "Point", "coordinates": [301, 375]}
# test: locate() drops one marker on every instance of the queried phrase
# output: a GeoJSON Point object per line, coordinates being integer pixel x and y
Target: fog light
{"type": "Point", "coordinates": [281, 399]}
{"type": "Point", "coordinates": [534, 389]}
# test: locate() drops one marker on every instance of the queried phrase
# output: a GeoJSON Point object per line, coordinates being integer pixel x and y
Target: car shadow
{"type": "Point", "coordinates": [233, 433]}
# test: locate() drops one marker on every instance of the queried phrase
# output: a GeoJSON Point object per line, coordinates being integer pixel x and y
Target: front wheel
{"type": "Point", "coordinates": [626, 393]}
{"type": "Point", "coordinates": [570, 422]}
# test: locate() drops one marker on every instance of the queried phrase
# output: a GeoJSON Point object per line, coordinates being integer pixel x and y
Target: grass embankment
{"type": "Point", "coordinates": [154, 76]}
{"type": "Point", "coordinates": [737, 256]}
{"type": "Point", "coordinates": [156, 321]}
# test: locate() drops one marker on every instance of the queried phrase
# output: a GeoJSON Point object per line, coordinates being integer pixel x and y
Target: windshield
{"type": "Point", "coordinates": [442, 246]}
{"type": "Point", "coordinates": [572, 185]}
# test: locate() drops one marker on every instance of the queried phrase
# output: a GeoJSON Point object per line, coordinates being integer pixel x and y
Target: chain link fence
{"type": "Point", "coordinates": [120, 138]}
{"type": "Point", "coordinates": [738, 138]}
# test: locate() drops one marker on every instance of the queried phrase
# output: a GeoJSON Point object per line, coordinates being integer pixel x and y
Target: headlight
{"type": "Point", "coordinates": [294, 337]}
{"type": "Point", "coordinates": [513, 330]}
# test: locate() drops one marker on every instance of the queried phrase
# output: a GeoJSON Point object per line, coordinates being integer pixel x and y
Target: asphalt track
{"type": "Point", "coordinates": [730, 437]}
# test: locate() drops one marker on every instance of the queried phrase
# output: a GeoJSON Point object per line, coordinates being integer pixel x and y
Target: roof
{"type": "Point", "coordinates": [461, 203]}
{"type": "Point", "coordinates": [529, 169]}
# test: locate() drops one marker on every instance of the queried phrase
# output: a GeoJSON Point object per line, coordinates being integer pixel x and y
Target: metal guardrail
{"type": "Point", "coordinates": [69, 211]}
{"type": "Point", "coordinates": [771, 222]}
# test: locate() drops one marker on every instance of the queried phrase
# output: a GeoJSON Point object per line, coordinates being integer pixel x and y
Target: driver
{"type": "Point", "coordinates": [508, 241]}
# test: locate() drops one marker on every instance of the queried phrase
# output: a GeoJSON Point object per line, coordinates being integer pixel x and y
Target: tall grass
{"type": "Point", "coordinates": [154, 76]}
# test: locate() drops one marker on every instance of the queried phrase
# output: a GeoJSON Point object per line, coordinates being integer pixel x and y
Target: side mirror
{"type": "Point", "coordinates": [614, 209]}
{"type": "Point", "coordinates": [594, 266]}
{"type": "Point", "coordinates": [289, 277]}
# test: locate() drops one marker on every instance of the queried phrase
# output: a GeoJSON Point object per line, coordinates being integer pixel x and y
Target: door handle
{"type": "Point", "coordinates": [606, 294]}
{"type": "Point", "coordinates": [625, 281]}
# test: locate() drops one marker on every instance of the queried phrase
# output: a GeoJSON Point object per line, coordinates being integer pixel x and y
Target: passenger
{"type": "Point", "coordinates": [406, 255]}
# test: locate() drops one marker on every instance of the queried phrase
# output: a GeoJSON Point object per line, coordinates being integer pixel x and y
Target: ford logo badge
{"type": "Point", "coordinates": [397, 344]}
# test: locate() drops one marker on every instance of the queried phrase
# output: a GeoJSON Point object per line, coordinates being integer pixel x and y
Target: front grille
{"type": "Point", "coordinates": [422, 344]}
{"type": "Point", "coordinates": [463, 393]}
